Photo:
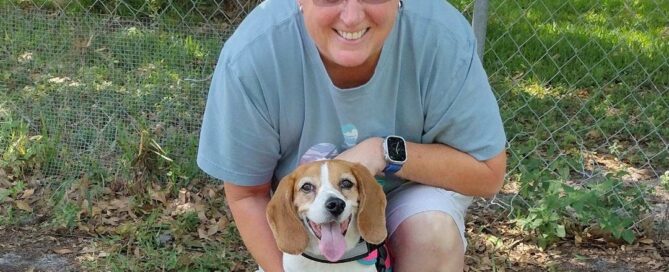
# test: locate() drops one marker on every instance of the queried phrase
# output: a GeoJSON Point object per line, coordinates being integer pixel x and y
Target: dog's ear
{"type": "Point", "coordinates": [371, 216]}
{"type": "Point", "coordinates": [289, 232]}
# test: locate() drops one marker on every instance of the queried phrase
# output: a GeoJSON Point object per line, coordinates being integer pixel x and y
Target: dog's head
{"type": "Point", "coordinates": [327, 205]}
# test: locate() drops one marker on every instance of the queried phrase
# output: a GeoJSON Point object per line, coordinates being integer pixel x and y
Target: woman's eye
{"type": "Point", "coordinates": [346, 184]}
{"type": "Point", "coordinates": [307, 187]}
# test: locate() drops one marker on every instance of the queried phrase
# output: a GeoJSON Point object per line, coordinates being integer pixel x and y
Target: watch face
{"type": "Point", "coordinates": [396, 150]}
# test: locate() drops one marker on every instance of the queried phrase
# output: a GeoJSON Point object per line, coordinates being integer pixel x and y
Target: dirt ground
{"type": "Point", "coordinates": [493, 246]}
{"type": "Point", "coordinates": [30, 249]}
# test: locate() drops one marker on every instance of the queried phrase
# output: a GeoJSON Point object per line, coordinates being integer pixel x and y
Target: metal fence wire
{"type": "Point", "coordinates": [583, 85]}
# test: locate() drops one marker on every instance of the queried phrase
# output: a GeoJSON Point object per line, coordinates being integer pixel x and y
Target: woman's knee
{"type": "Point", "coordinates": [434, 232]}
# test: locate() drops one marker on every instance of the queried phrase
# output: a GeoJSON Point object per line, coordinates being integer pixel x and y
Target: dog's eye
{"type": "Point", "coordinates": [346, 184]}
{"type": "Point", "coordinates": [307, 187]}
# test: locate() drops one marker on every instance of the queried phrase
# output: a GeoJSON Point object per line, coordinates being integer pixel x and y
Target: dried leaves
{"type": "Point", "coordinates": [496, 245]}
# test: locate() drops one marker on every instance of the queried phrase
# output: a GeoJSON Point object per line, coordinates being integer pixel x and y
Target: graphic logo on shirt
{"type": "Point", "coordinates": [350, 134]}
{"type": "Point", "coordinates": [322, 151]}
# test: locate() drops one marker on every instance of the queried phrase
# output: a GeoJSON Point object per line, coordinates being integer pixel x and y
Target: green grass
{"type": "Point", "coordinates": [112, 98]}
{"type": "Point", "coordinates": [582, 74]}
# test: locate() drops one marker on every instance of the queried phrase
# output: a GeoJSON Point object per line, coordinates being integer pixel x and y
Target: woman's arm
{"type": "Point", "coordinates": [248, 205]}
{"type": "Point", "coordinates": [438, 165]}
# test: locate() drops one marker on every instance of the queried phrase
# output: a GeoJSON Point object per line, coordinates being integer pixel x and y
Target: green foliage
{"type": "Point", "coordinates": [8, 217]}
{"type": "Point", "coordinates": [13, 191]}
{"type": "Point", "coordinates": [166, 10]}
{"type": "Point", "coordinates": [22, 153]}
{"type": "Point", "coordinates": [549, 206]}
{"type": "Point", "coordinates": [65, 212]}
{"type": "Point", "coordinates": [188, 222]}
{"type": "Point", "coordinates": [664, 180]}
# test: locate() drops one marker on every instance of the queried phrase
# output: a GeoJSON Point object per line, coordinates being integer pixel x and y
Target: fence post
{"type": "Point", "coordinates": [480, 24]}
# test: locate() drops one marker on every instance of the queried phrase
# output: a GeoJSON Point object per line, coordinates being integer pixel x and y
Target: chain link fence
{"type": "Point", "coordinates": [584, 91]}
{"type": "Point", "coordinates": [583, 85]}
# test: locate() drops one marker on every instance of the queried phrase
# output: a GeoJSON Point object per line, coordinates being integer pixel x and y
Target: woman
{"type": "Point", "coordinates": [301, 80]}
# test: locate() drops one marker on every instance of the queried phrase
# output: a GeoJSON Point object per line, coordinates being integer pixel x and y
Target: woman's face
{"type": "Point", "coordinates": [351, 32]}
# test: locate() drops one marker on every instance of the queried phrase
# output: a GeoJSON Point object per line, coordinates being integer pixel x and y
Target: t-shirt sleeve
{"type": "Point", "coordinates": [238, 142]}
{"type": "Point", "coordinates": [462, 111]}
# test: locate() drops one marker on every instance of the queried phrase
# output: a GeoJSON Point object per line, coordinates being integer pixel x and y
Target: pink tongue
{"type": "Point", "coordinates": [332, 244]}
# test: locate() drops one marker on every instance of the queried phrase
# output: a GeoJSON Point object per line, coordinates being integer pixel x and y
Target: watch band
{"type": "Point", "coordinates": [392, 168]}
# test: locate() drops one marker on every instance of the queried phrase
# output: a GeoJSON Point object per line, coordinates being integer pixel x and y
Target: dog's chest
{"type": "Point", "coordinates": [297, 263]}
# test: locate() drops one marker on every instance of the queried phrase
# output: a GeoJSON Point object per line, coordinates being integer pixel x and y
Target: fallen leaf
{"type": "Point", "coordinates": [201, 215]}
{"type": "Point", "coordinates": [86, 257]}
{"type": "Point", "coordinates": [63, 250]}
{"type": "Point", "coordinates": [647, 241]}
{"type": "Point", "coordinates": [211, 193]}
{"type": "Point", "coordinates": [87, 250]}
{"type": "Point", "coordinates": [27, 193]}
{"type": "Point", "coordinates": [213, 229]}
{"type": "Point", "coordinates": [121, 204]}
{"type": "Point", "coordinates": [202, 233]}
{"type": "Point", "coordinates": [96, 211]}
{"type": "Point", "coordinates": [222, 223]}
{"type": "Point", "coordinates": [158, 196]}
{"type": "Point", "coordinates": [23, 205]}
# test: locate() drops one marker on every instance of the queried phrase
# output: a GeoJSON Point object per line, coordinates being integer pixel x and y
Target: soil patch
{"type": "Point", "coordinates": [30, 249]}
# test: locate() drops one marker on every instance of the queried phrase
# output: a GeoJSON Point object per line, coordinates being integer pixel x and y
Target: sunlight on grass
{"type": "Point", "coordinates": [637, 40]}
{"type": "Point", "coordinates": [538, 89]}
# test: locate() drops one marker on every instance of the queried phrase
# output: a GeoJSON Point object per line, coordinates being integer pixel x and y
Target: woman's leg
{"type": "Point", "coordinates": [428, 241]}
{"type": "Point", "coordinates": [426, 228]}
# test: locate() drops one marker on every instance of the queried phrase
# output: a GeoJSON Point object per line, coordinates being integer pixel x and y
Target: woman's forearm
{"type": "Point", "coordinates": [437, 165]}
{"type": "Point", "coordinates": [249, 215]}
{"type": "Point", "coordinates": [443, 166]}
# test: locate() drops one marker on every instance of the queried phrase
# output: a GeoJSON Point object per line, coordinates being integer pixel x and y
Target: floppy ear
{"type": "Point", "coordinates": [371, 216]}
{"type": "Point", "coordinates": [289, 232]}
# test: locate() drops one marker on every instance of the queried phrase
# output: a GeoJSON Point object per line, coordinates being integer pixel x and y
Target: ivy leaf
{"type": "Point", "coordinates": [628, 236]}
{"type": "Point", "coordinates": [560, 231]}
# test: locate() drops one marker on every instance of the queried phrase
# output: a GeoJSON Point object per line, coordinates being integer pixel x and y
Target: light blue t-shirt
{"type": "Point", "coordinates": [272, 106]}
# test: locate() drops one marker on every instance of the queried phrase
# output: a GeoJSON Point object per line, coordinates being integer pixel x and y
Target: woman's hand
{"type": "Point", "coordinates": [369, 153]}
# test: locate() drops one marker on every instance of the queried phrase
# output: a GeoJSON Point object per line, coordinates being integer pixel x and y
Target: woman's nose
{"type": "Point", "coordinates": [352, 12]}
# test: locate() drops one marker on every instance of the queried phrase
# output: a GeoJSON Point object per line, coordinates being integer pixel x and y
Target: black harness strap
{"type": "Point", "coordinates": [381, 256]}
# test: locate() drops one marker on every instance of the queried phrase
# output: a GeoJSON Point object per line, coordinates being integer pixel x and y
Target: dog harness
{"type": "Point", "coordinates": [376, 255]}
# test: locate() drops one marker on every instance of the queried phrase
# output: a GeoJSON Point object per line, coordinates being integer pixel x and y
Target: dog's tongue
{"type": "Point", "coordinates": [332, 244]}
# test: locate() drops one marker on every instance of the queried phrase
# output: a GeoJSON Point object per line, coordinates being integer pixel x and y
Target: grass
{"type": "Point", "coordinates": [106, 111]}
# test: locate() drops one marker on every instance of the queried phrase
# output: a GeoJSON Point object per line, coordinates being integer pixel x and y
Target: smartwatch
{"type": "Point", "coordinates": [395, 153]}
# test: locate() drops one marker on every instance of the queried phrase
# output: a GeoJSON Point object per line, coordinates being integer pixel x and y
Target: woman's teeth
{"type": "Point", "coordinates": [351, 35]}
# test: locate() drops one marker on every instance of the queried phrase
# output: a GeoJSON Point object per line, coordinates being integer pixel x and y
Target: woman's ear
{"type": "Point", "coordinates": [371, 216]}
{"type": "Point", "coordinates": [289, 232]}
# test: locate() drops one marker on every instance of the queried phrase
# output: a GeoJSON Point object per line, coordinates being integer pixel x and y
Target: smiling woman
{"type": "Point", "coordinates": [349, 35]}
{"type": "Point", "coordinates": [305, 80]}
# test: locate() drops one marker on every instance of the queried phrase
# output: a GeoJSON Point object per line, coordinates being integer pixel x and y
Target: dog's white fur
{"type": "Point", "coordinates": [325, 176]}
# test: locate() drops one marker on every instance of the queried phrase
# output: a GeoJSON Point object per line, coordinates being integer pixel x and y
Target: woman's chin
{"type": "Point", "coordinates": [349, 58]}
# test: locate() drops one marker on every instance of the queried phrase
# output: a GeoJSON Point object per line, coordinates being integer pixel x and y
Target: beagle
{"type": "Point", "coordinates": [330, 216]}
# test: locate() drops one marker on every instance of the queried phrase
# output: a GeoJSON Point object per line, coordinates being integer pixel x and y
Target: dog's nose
{"type": "Point", "coordinates": [335, 206]}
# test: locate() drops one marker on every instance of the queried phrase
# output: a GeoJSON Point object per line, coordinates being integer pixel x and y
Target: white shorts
{"type": "Point", "coordinates": [413, 198]}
